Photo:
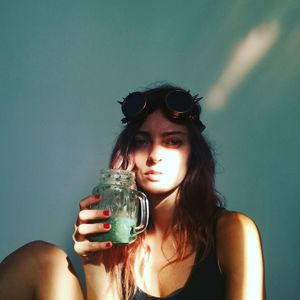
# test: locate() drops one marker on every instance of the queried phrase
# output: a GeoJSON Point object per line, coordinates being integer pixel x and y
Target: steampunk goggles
{"type": "Point", "coordinates": [178, 105]}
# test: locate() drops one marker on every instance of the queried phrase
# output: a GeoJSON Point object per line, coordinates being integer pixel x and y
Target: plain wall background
{"type": "Point", "coordinates": [65, 64]}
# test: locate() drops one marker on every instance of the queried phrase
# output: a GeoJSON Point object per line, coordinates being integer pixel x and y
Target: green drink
{"type": "Point", "coordinates": [129, 207]}
{"type": "Point", "coordinates": [122, 231]}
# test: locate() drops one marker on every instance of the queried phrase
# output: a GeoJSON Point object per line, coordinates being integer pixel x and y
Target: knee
{"type": "Point", "coordinates": [44, 253]}
{"type": "Point", "coordinates": [25, 260]}
{"type": "Point", "coordinates": [35, 268]}
{"type": "Point", "coordinates": [36, 253]}
{"type": "Point", "coordinates": [41, 248]}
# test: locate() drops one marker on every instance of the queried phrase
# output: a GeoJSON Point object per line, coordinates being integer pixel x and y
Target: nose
{"type": "Point", "coordinates": [155, 155]}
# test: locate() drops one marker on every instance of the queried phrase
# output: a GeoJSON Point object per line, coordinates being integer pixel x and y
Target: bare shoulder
{"type": "Point", "coordinates": [238, 240]}
{"type": "Point", "coordinates": [240, 256]}
{"type": "Point", "coordinates": [232, 222]}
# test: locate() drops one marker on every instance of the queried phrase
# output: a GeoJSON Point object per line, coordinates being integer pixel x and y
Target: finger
{"type": "Point", "coordinates": [85, 247]}
{"type": "Point", "coordinates": [85, 229]}
{"type": "Point", "coordinates": [93, 214]}
{"type": "Point", "coordinates": [88, 201]}
{"type": "Point", "coordinates": [76, 236]}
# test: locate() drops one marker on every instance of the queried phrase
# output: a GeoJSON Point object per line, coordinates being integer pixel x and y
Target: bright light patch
{"type": "Point", "coordinates": [245, 56]}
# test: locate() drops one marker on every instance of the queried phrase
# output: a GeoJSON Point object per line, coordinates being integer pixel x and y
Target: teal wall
{"type": "Point", "coordinates": [64, 64]}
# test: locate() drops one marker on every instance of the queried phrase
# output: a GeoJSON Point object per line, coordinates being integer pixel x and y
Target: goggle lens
{"type": "Point", "coordinates": [134, 104]}
{"type": "Point", "coordinates": [179, 103]}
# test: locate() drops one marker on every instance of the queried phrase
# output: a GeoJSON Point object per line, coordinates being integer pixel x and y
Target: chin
{"type": "Point", "coordinates": [157, 190]}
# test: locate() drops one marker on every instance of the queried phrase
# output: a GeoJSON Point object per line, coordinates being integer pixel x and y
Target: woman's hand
{"type": "Point", "coordinates": [88, 250]}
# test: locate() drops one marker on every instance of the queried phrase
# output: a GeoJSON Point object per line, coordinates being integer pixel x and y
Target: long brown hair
{"type": "Point", "coordinates": [196, 203]}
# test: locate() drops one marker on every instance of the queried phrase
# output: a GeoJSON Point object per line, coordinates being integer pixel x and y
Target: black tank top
{"type": "Point", "coordinates": [205, 282]}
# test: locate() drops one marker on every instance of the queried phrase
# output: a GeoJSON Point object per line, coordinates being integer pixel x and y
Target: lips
{"type": "Point", "coordinates": [152, 172]}
{"type": "Point", "coordinates": [153, 175]}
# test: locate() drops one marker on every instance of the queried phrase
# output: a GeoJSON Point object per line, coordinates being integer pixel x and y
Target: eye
{"type": "Point", "coordinates": [173, 142]}
{"type": "Point", "coordinates": [140, 141]}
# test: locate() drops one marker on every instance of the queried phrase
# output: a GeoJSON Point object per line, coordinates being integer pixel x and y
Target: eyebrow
{"type": "Point", "coordinates": [164, 134]}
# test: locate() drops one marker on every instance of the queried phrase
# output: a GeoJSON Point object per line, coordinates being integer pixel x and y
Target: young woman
{"type": "Point", "coordinates": [193, 248]}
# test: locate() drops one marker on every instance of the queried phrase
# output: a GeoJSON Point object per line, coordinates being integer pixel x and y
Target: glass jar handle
{"type": "Point", "coordinates": [144, 211]}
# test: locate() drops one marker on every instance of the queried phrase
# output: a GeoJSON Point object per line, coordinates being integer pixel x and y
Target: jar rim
{"type": "Point", "coordinates": [117, 174]}
{"type": "Point", "coordinates": [117, 171]}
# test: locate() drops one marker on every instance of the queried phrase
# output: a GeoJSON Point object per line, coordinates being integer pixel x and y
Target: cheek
{"type": "Point", "coordinates": [176, 161]}
{"type": "Point", "coordinates": [138, 159]}
{"type": "Point", "coordinates": [139, 163]}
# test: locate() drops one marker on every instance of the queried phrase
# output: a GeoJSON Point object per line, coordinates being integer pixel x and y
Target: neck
{"type": "Point", "coordinates": [162, 211]}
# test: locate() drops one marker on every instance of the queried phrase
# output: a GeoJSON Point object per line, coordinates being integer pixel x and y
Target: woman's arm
{"type": "Point", "coordinates": [241, 257]}
{"type": "Point", "coordinates": [98, 282]}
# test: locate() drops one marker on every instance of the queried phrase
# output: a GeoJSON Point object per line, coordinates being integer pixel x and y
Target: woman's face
{"type": "Point", "coordinates": [161, 153]}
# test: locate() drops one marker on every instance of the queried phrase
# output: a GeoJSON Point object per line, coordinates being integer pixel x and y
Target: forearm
{"type": "Point", "coordinates": [98, 283]}
{"type": "Point", "coordinates": [95, 255]}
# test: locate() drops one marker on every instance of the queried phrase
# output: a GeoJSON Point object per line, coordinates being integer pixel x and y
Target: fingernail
{"type": "Point", "coordinates": [106, 213]}
{"type": "Point", "coordinates": [106, 225]}
{"type": "Point", "coordinates": [97, 196]}
{"type": "Point", "coordinates": [108, 244]}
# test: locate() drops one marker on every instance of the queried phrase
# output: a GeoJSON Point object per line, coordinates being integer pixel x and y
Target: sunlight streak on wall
{"type": "Point", "coordinates": [245, 56]}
